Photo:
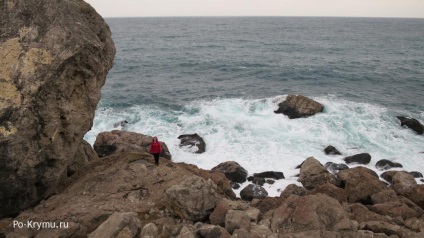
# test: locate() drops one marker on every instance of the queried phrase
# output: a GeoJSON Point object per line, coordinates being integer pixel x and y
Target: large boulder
{"type": "Point", "coordinates": [110, 142]}
{"type": "Point", "coordinates": [232, 170]}
{"type": "Point", "coordinates": [313, 173]}
{"type": "Point", "coordinates": [193, 199]}
{"type": "Point", "coordinates": [193, 141]}
{"type": "Point", "coordinates": [297, 106]}
{"type": "Point", "coordinates": [54, 58]}
{"type": "Point", "coordinates": [412, 123]}
{"type": "Point", "coordinates": [119, 223]}
{"type": "Point", "coordinates": [311, 212]}
{"type": "Point", "coordinates": [361, 183]}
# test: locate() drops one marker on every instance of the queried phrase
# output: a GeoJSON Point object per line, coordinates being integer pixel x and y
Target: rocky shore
{"type": "Point", "coordinates": [54, 59]}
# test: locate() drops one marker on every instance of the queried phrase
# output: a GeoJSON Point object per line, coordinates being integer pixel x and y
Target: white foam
{"type": "Point", "coordinates": [249, 132]}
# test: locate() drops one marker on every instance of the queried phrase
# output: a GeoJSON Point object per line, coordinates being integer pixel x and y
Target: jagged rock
{"type": "Point", "coordinates": [293, 189]}
{"type": "Point", "coordinates": [331, 150]}
{"type": "Point", "coordinates": [85, 154]}
{"type": "Point", "coordinates": [54, 58]}
{"type": "Point", "coordinates": [241, 233]}
{"type": "Point", "coordinates": [192, 199]}
{"type": "Point", "coordinates": [297, 106]}
{"type": "Point", "coordinates": [232, 170]}
{"type": "Point", "coordinates": [236, 220]}
{"type": "Point", "coordinates": [313, 173]}
{"type": "Point", "coordinates": [252, 191]}
{"type": "Point", "coordinates": [118, 223]}
{"type": "Point", "coordinates": [186, 233]}
{"type": "Point", "coordinates": [311, 212]}
{"type": "Point", "coordinates": [416, 195]}
{"type": "Point", "coordinates": [412, 123]}
{"type": "Point", "coordinates": [360, 184]}
{"type": "Point", "coordinates": [415, 224]}
{"type": "Point", "coordinates": [261, 231]}
{"type": "Point", "coordinates": [385, 164]}
{"type": "Point", "coordinates": [269, 174]}
{"type": "Point", "coordinates": [388, 176]}
{"type": "Point", "coordinates": [361, 213]}
{"type": "Point", "coordinates": [254, 214]}
{"type": "Point", "coordinates": [394, 209]}
{"type": "Point", "coordinates": [335, 168]}
{"type": "Point", "coordinates": [363, 158]}
{"type": "Point", "coordinates": [110, 142]}
{"type": "Point", "coordinates": [123, 182]}
{"type": "Point", "coordinates": [193, 140]}
{"type": "Point", "coordinates": [217, 217]}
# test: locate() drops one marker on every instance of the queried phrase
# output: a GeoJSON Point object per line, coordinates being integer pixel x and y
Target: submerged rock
{"type": "Point", "coordinates": [363, 158]}
{"type": "Point", "coordinates": [193, 140]}
{"type": "Point", "coordinates": [412, 123]}
{"type": "Point", "coordinates": [269, 174]}
{"type": "Point", "coordinates": [385, 164]}
{"type": "Point", "coordinates": [335, 168]}
{"type": "Point", "coordinates": [297, 106]}
{"type": "Point", "coordinates": [331, 150]}
{"type": "Point", "coordinates": [54, 57]}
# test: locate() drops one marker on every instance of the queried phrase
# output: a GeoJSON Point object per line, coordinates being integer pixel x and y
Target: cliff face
{"type": "Point", "coordinates": [54, 57]}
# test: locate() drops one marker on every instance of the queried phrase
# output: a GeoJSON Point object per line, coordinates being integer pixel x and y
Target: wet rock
{"type": "Point", "coordinates": [232, 170]}
{"type": "Point", "coordinates": [192, 199]}
{"type": "Point", "coordinates": [385, 164]}
{"type": "Point", "coordinates": [193, 140]}
{"type": "Point", "coordinates": [388, 176]}
{"type": "Point", "coordinates": [412, 123]}
{"type": "Point", "coordinates": [269, 174]}
{"type": "Point", "coordinates": [118, 223]}
{"type": "Point", "coordinates": [252, 191]}
{"type": "Point", "coordinates": [234, 185]}
{"type": "Point", "coordinates": [361, 183]}
{"type": "Point", "coordinates": [54, 58]}
{"type": "Point", "coordinates": [258, 181]}
{"type": "Point", "coordinates": [416, 174]}
{"type": "Point", "coordinates": [110, 142]}
{"type": "Point", "coordinates": [297, 106]}
{"type": "Point", "coordinates": [335, 168]}
{"type": "Point", "coordinates": [331, 150]}
{"type": "Point", "coordinates": [313, 173]}
{"type": "Point", "coordinates": [363, 158]}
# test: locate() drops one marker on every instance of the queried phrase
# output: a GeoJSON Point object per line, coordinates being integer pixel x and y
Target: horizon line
{"type": "Point", "coordinates": [236, 16]}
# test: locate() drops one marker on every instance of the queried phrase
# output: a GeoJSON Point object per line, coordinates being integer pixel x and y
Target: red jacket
{"type": "Point", "coordinates": [155, 147]}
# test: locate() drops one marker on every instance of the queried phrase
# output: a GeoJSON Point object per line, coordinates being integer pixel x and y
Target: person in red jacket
{"type": "Point", "coordinates": [155, 149]}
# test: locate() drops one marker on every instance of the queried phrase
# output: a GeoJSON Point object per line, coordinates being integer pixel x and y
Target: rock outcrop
{"type": "Point", "coordinates": [54, 57]}
{"type": "Point", "coordinates": [193, 141]}
{"type": "Point", "coordinates": [412, 123]}
{"type": "Point", "coordinates": [110, 142]}
{"type": "Point", "coordinates": [297, 106]}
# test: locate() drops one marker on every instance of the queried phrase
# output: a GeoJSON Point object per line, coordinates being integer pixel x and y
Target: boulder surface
{"type": "Point", "coordinates": [297, 106]}
{"type": "Point", "coordinates": [54, 58]}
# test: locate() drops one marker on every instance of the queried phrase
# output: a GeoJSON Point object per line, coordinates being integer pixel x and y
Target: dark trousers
{"type": "Point", "coordinates": [156, 156]}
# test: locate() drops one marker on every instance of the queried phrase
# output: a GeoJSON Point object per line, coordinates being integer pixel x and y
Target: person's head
{"type": "Point", "coordinates": [155, 139]}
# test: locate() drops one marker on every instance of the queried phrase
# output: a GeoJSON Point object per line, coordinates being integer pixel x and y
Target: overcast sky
{"type": "Point", "coordinates": [354, 8]}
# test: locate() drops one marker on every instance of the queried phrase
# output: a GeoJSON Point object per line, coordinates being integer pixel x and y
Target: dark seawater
{"type": "Point", "coordinates": [223, 77]}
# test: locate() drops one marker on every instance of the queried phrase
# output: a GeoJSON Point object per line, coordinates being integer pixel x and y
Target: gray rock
{"type": "Point", "coordinates": [331, 150]}
{"type": "Point", "coordinates": [232, 170]}
{"type": "Point", "coordinates": [363, 158]}
{"type": "Point", "coordinates": [54, 58]}
{"type": "Point", "coordinates": [412, 123]}
{"type": "Point", "coordinates": [385, 164]}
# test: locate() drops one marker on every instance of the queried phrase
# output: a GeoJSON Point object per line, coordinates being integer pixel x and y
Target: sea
{"type": "Point", "coordinates": [223, 77]}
